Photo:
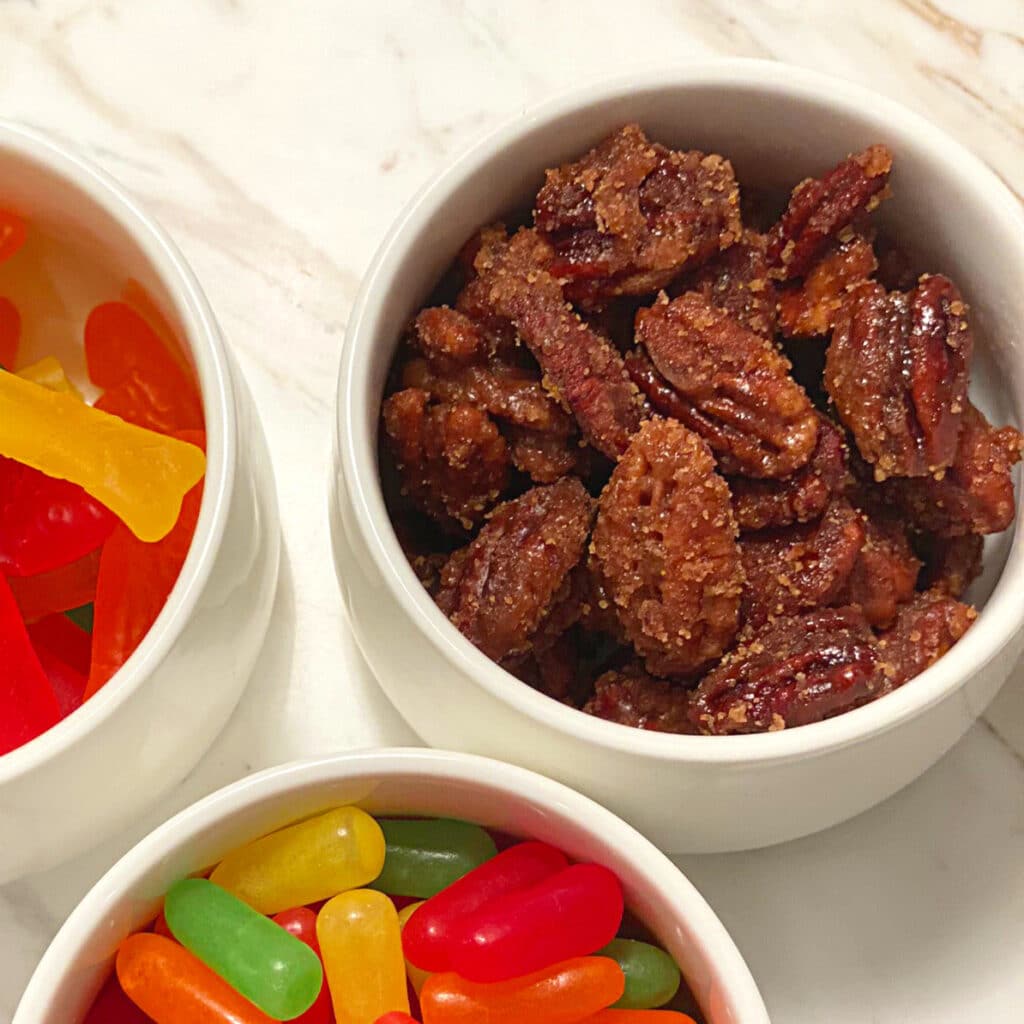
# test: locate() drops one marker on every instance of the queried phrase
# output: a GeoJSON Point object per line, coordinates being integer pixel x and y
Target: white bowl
{"type": "Point", "coordinates": [688, 793]}
{"type": "Point", "coordinates": [394, 781]}
{"type": "Point", "coordinates": [141, 734]}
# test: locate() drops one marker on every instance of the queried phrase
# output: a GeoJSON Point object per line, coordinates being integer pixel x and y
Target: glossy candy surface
{"type": "Point", "coordinates": [361, 944]}
{"type": "Point", "coordinates": [425, 855]}
{"type": "Point", "coordinates": [139, 475]}
{"type": "Point", "coordinates": [652, 977]}
{"type": "Point", "coordinates": [417, 977]}
{"type": "Point", "coordinates": [396, 1017]}
{"type": "Point", "coordinates": [301, 922]}
{"type": "Point", "coordinates": [306, 862]}
{"type": "Point", "coordinates": [571, 913]}
{"type": "Point", "coordinates": [563, 993]}
{"type": "Point", "coordinates": [257, 957]}
{"type": "Point", "coordinates": [174, 987]}
{"type": "Point", "coordinates": [429, 936]}
{"type": "Point", "coordinates": [639, 1017]}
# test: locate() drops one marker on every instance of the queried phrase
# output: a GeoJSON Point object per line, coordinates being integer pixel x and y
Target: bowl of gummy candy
{"type": "Point", "coordinates": [138, 541]}
{"type": "Point", "coordinates": [390, 886]}
{"type": "Point", "coordinates": [689, 399]}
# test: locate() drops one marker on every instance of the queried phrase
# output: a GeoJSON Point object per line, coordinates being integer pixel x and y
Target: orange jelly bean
{"type": "Point", "coordinates": [639, 1017]}
{"type": "Point", "coordinates": [561, 994]}
{"type": "Point", "coordinates": [174, 987]}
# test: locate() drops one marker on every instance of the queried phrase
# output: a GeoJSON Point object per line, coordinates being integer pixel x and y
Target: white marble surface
{"type": "Point", "coordinates": [276, 142]}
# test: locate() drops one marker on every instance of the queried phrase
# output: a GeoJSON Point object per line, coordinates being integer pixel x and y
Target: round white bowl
{"type": "Point", "coordinates": [141, 734]}
{"type": "Point", "coordinates": [391, 781]}
{"type": "Point", "coordinates": [688, 793]}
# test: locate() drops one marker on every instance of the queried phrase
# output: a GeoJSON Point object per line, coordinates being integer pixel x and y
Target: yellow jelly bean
{"type": "Point", "coordinates": [141, 476]}
{"type": "Point", "coordinates": [361, 945]}
{"type": "Point", "coordinates": [48, 373]}
{"type": "Point", "coordinates": [417, 976]}
{"type": "Point", "coordinates": [304, 863]}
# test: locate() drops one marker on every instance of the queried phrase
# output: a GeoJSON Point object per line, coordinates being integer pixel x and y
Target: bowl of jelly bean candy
{"type": "Point", "coordinates": [138, 534]}
{"type": "Point", "coordinates": [383, 886]}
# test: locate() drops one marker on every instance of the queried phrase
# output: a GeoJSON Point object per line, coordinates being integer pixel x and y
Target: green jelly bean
{"type": "Point", "coordinates": [652, 976]}
{"type": "Point", "coordinates": [425, 855]}
{"type": "Point", "coordinates": [257, 957]}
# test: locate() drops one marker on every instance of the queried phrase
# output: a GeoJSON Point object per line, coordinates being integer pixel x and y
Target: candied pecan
{"type": "Point", "coordinates": [579, 365]}
{"type": "Point", "coordinates": [897, 370]}
{"type": "Point", "coordinates": [799, 498]}
{"type": "Point", "coordinates": [810, 309]}
{"type": "Point", "coordinates": [729, 385]}
{"type": "Point", "coordinates": [665, 546]}
{"type": "Point", "coordinates": [798, 567]}
{"type": "Point", "coordinates": [797, 670]}
{"type": "Point", "coordinates": [820, 208]}
{"type": "Point", "coordinates": [598, 610]}
{"type": "Point", "coordinates": [447, 335]}
{"type": "Point", "coordinates": [895, 268]}
{"type": "Point", "coordinates": [737, 281]}
{"type": "Point", "coordinates": [631, 214]}
{"type": "Point", "coordinates": [452, 461]}
{"type": "Point", "coordinates": [498, 589]}
{"type": "Point", "coordinates": [951, 564]}
{"type": "Point", "coordinates": [975, 495]}
{"type": "Point", "coordinates": [630, 696]}
{"type": "Point", "coordinates": [544, 456]}
{"type": "Point", "coordinates": [924, 631]}
{"type": "Point", "coordinates": [885, 573]}
{"type": "Point", "coordinates": [552, 669]}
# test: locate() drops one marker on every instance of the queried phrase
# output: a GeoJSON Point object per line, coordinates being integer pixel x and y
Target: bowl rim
{"type": "Point", "coordinates": [669, 883]}
{"type": "Point", "coordinates": [201, 334]}
{"type": "Point", "coordinates": [1002, 616]}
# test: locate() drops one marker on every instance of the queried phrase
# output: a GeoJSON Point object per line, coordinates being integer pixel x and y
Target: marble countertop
{"type": "Point", "coordinates": [276, 142]}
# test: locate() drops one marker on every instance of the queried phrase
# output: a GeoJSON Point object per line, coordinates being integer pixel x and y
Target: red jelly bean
{"type": "Point", "coordinates": [301, 923]}
{"type": "Point", "coordinates": [570, 914]}
{"type": "Point", "coordinates": [112, 1006]}
{"type": "Point", "coordinates": [430, 933]}
{"type": "Point", "coordinates": [61, 637]}
{"type": "Point", "coordinates": [28, 705]}
{"type": "Point", "coordinates": [396, 1017]}
{"type": "Point", "coordinates": [59, 590]}
{"type": "Point", "coordinates": [68, 685]}
{"type": "Point", "coordinates": [10, 333]}
{"type": "Point", "coordinates": [12, 234]}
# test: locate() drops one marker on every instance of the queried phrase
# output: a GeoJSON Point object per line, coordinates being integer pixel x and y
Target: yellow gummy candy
{"type": "Point", "coordinates": [361, 945]}
{"type": "Point", "coordinates": [141, 476]}
{"type": "Point", "coordinates": [48, 373]}
{"type": "Point", "coordinates": [416, 975]}
{"type": "Point", "coordinates": [305, 863]}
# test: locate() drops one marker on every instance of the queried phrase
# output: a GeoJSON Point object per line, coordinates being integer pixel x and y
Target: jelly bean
{"type": "Point", "coordinates": [59, 635]}
{"type": "Point", "coordinates": [572, 913]}
{"type": "Point", "coordinates": [396, 1017]}
{"type": "Point", "coordinates": [81, 616]}
{"type": "Point", "coordinates": [132, 586]}
{"type": "Point", "coordinates": [10, 333]}
{"type": "Point", "coordinates": [301, 922]}
{"type": "Point", "coordinates": [139, 475]}
{"type": "Point", "coordinates": [174, 987]}
{"type": "Point", "coordinates": [416, 977]}
{"type": "Point", "coordinates": [425, 855]}
{"type": "Point", "coordinates": [652, 977]}
{"type": "Point", "coordinates": [143, 382]}
{"type": "Point", "coordinates": [67, 683]}
{"type": "Point", "coordinates": [58, 590]}
{"type": "Point", "coordinates": [12, 234]}
{"type": "Point", "coordinates": [47, 522]}
{"type": "Point", "coordinates": [258, 958]}
{"type": "Point", "coordinates": [49, 374]}
{"type": "Point", "coordinates": [306, 862]}
{"type": "Point", "coordinates": [361, 944]}
{"type": "Point", "coordinates": [562, 993]}
{"type": "Point", "coordinates": [639, 1017]}
{"type": "Point", "coordinates": [428, 936]}
{"type": "Point", "coordinates": [112, 1006]}
{"type": "Point", "coordinates": [28, 705]}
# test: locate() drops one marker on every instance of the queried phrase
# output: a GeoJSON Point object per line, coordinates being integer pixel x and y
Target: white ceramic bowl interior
{"type": "Point", "coordinates": [777, 124]}
{"type": "Point", "coordinates": [391, 782]}
{"type": "Point", "coordinates": [66, 789]}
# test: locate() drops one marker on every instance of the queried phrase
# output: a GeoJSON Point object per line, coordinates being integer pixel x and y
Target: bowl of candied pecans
{"type": "Point", "coordinates": [671, 457]}
{"type": "Point", "coordinates": [138, 518]}
{"type": "Point", "coordinates": [352, 810]}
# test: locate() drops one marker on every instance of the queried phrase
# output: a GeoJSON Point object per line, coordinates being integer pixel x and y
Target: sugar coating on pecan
{"type": "Point", "coordinates": [632, 696]}
{"type": "Point", "coordinates": [809, 309]}
{"type": "Point", "coordinates": [975, 495]}
{"type": "Point", "coordinates": [665, 545]}
{"type": "Point", "coordinates": [728, 384]}
{"type": "Point", "coordinates": [498, 589]}
{"type": "Point", "coordinates": [897, 369]}
{"type": "Point", "coordinates": [631, 214]}
{"type": "Point", "coordinates": [452, 461]}
{"type": "Point", "coordinates": [800, 497]}
{"type": "Point", "coordinates": [581, 368]}
{"type": "Point", "coordinates": [799, 567]}
{"type": "Point", "coordinates": [820, 209]}
{"type": "Point", "coordinates": [797, 670]}
{"type": "Point", "coordinates": [951, 564]}
{"type": "Point", "coordinates": [925, 629]}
